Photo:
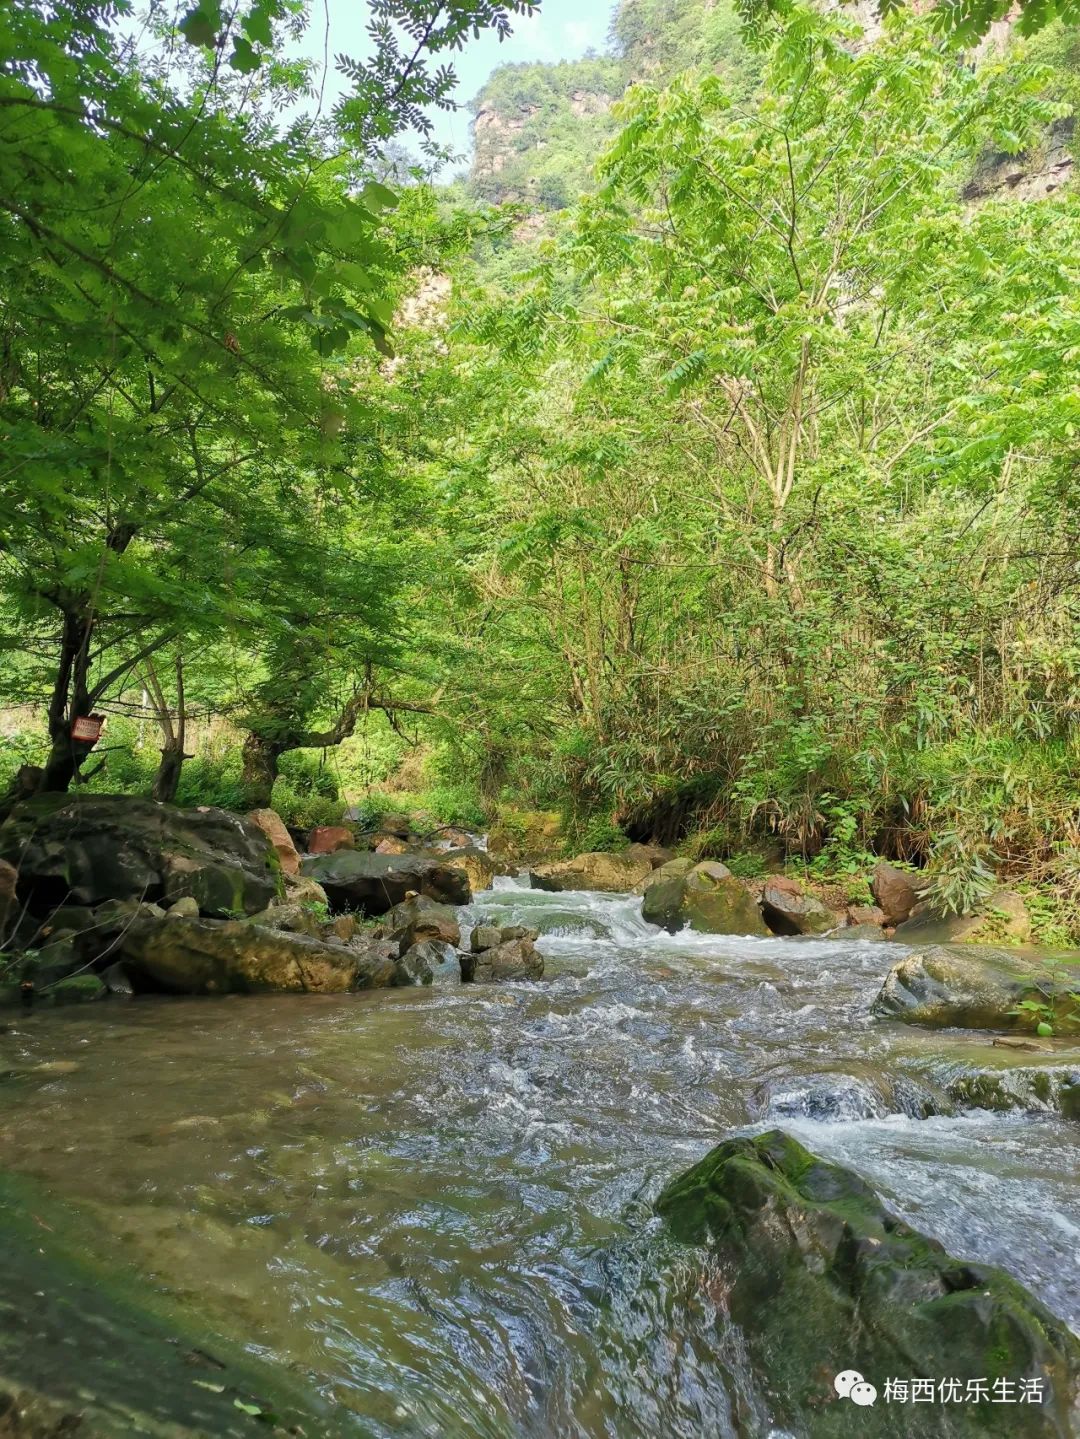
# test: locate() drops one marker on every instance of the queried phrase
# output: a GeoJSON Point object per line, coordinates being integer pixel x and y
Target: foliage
{"type": "Point", "coordinates": [744, 519]}
{"type": "Point", "coordinates": [786, 490]}
{"type": "Point", "coordinates": [965, 21]}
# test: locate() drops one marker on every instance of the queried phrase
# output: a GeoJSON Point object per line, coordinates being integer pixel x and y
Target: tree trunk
{"type": "Point", "coordinates": [167, 778]}
{"type": "Point", "coordinates": [70, 698]}
{"type": "Point", "coordinates": [260, 769]}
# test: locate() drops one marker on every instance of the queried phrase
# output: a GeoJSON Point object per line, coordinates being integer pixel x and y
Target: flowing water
{"type": "Point", "coordinates": [438, 1202]}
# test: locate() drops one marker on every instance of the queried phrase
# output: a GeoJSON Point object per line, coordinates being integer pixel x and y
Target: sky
{"type": "Point", "coordinates": [561, 30]}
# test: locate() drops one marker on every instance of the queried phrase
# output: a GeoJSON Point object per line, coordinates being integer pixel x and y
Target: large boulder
{"type": "Point", "coordinates": [787, 910]}
{"type": "Point", "coordinates": [978, 987]}
{"type": "Point", "coordinates": [715, 902]}
{"type": "Point", "coordinates": [896, 891]}
{"type": "Point", "coordinates": [1002, 916]}
{"type": "Point", "coordinates": [822, 1279]}
{"type": "Point", "coordinates": [597, 870]}
{"type": "Point", "coordinates": [199, 956]}
{"type": "Point", "coordinates": [420, 919]}
{"type": "Point", "coordinates": [476, 863]}
{"type": "Point", "coordinates": [662, 895]}
{"type": "Point", "coordinates": [85, 848]}
{"type": "Point", "coordinates": [375, 883]}
{"type": "Point", "coordinates": [273, 826]}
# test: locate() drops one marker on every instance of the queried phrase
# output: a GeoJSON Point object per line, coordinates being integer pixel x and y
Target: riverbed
{"type": "Point", "coordinates": [437, 1203]}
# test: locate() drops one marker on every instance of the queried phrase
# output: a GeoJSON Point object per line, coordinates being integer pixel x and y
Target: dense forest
{"type": "Point", "coordinates": [718, 487]}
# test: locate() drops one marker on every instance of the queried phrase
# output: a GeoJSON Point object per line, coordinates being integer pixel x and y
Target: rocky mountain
{"type": "Point", "coordinates": [539, 128]}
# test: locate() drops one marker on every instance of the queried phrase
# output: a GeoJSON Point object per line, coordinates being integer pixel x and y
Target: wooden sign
{"type": "Point", "coordinates": [87, 728]}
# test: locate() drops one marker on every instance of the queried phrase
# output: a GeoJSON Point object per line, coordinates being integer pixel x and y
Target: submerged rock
{"type": "Point", "coordinates": [821, 1278]}
{"type": "Point", "coordinates": [597, 870]}
{"type": "Point", "coordinates": [85, 848]}
{"type": "Point", "coordinates": [193, 956]}
{"type": "Point", "coordinates": [375, 883]}
{"type": "Point", "coordinates": [826, 1098]}
{"type": "Point", "coordinates": [88, 1352]}
{"type": "Point", "coordinates": [977, 988]}
{"type": "Point", "coordinates": [510, 959]}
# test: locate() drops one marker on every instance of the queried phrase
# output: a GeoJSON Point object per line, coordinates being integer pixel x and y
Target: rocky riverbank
{"type": "Point", "coordinates": [113, 895]}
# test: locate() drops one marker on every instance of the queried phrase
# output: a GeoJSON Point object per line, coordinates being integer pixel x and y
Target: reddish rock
{"type": "Point", "coordinates": [896, 891]}
{"type": "Point", "coordinates": [785, 884]}
{"type": "Point", "coordinates": [865, 914]}
{"type": "Point", "coordinates": [329, 838]}
{"type": "Point", "coordinates": [273, 826]}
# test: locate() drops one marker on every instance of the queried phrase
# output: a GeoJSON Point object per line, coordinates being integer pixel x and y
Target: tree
{"type": "Point", "coordinates": [170, 321]}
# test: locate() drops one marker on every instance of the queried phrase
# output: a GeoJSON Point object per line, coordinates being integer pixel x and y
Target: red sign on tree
{"type": "Point", "coordinates": [87, 728]}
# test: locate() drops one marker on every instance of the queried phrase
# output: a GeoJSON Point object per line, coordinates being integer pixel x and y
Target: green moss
{"type": "Point", "coordinates": [821, 1277]}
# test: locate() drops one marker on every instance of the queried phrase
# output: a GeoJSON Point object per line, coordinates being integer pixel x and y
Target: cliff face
{"type": "Point", "coordinates": [539, 128]}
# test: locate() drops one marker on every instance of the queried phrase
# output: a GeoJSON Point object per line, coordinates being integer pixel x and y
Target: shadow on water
{"type": "Point", "coordinates": [438, 1203]}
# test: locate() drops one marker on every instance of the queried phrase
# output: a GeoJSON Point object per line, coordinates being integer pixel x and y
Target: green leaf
{"type": "Point", "coordinates": [256, 25]}
{"type": "Point", "coordinates": [379, 196]}
{"type": "Point", "coordinates": [200, 25]}
{"type": "Point", "coordinates": [243, 57]}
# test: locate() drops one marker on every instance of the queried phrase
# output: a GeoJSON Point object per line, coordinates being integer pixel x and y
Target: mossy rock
{"type": "Point", "coordinates": [662, 895]}
{"type": "Point", "coordinates": [979, 987]}
{"type": "Point", "coordinates": [85, 848]}
{"type": "Point", "coordinates": [821, 1278]}
{"type": "Point", "coordinates": [205, 956]}
{"type": "Point", "coordinates": [715, 902]}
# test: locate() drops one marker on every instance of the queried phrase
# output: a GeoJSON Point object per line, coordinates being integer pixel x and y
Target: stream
{"type": "Point", "coordinates": [437, 1203]}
